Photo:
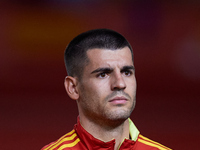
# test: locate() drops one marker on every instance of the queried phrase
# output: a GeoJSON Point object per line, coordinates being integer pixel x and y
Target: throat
{"type": "Point", "coordinates": [107, 133]}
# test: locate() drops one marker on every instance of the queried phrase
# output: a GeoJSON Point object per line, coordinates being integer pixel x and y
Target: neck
{"type": "Point", "coordinates": [105, 132]}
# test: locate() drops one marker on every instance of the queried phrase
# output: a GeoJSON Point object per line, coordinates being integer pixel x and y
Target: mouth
{"type": "Point", "coordinates": [118, 100]}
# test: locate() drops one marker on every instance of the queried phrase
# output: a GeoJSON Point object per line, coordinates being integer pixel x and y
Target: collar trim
{"type": "Point", "coordinates": [133, 131]}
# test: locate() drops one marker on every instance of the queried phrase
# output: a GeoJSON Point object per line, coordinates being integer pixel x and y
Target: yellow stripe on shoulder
{"type": "Point", "coordinates": [61, 139]}
{"type": "Point", "coordinates": [147, 141]}
{"type": "Point", "coordinates": [64, 140]}
{"type": "Point", "coordinates": [69, 145]}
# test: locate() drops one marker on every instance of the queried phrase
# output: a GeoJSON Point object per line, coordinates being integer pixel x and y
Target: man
{"type": "Point", "coordinates": [101, 78]}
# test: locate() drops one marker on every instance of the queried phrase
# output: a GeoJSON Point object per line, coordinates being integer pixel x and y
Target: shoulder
{"type": "Point", "coordinates": [146, 143]}
{"type": "Point", "coordinates": [66, 142]}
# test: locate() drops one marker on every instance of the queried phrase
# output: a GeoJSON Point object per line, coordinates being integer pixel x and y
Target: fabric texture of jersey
{"type": "Point", "coordinates": [80, 139]}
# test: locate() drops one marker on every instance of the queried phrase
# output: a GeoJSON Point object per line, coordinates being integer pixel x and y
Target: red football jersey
{"type": "Point", "coordinates": [80, 139]}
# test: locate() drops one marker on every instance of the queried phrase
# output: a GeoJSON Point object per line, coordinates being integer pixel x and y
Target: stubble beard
{"type": "Point", "coordinates": [110, 117]}
{"type": "Point", "coordinates": [107, 116]}
{"type": "Point", "coordinates": [120, 114]}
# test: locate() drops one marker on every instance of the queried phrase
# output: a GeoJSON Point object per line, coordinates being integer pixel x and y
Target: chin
{"type": "Point", "coordinates": [119, 115]}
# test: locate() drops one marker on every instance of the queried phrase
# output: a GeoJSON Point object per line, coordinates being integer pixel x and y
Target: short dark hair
{"type": "Point", "coordinates": [76, 52]}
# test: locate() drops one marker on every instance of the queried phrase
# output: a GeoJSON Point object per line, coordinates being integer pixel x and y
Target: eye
{"type": "Point", "coordinates": [102, 75]}
{"type": "Point", "coordinates": [127, 73]}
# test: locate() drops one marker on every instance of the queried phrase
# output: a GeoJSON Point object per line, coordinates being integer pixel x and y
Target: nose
{"type": "Point", "coordinates": [118, 82]}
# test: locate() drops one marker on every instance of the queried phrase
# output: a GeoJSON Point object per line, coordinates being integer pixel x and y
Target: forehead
{"type": "Point", "coordinates": [101, 57]}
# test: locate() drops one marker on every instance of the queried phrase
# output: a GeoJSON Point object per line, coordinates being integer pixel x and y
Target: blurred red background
{"type": "Point", "coordinates": [35, 109]}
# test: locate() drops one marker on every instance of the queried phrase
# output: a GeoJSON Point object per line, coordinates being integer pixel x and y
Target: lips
{"type": "Point", "coordinates": [118, 100]}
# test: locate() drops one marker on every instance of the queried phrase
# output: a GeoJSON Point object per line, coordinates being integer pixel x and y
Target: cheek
{"type": "Point", "coordinates": [99, 86]}
{"type": "Point", "coordinates": [97, 92]}
{"type": "Point", "coordinates": [131, 82]}
{"type": "Point", "coordinates": [131, 86]}
{"type": "Point", "coordinates": [91, 91]}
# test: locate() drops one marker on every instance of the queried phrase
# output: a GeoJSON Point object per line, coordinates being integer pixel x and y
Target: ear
{"type": "Point", "coordinates": [71, 87]}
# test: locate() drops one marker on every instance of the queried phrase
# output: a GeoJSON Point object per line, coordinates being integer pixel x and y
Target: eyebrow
{"type": "Point", "coordinates": [106, 69]}
{"type": "Point", "coordinates": [128, 68]}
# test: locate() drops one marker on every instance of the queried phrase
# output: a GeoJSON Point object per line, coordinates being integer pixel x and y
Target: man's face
{"type": "Point", "coordinates": [107, 89]}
